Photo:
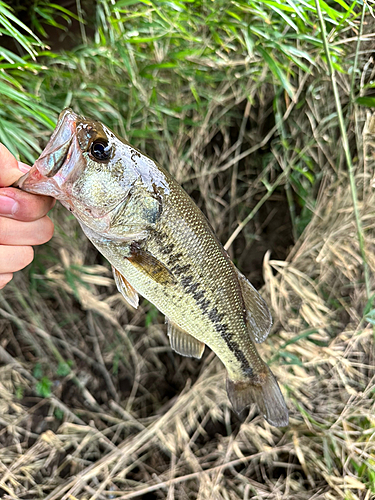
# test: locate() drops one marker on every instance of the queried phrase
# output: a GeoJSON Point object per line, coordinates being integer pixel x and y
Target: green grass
{"type": "Point", "coordinates": [154, 70]}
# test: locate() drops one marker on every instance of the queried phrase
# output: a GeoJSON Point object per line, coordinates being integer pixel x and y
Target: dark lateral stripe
{"type": "Point", "coordinates": [174, 258]}
{"type": "Point", "coordinates": [240, 356]}
{"type": "Point", "coordinates": [193, 288]}
{"type": "Point", "coordinates": [178, 270]}
{"type": "Point", "coordinates": [233, 346]}
{"type": "Point", "coordinates": [216, 319]}
{"type": "Point", "coordinates": [168, 248]}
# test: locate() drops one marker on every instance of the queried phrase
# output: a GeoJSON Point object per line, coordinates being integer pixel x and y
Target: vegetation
{"type": "Point", "coordinates": [261, 109]}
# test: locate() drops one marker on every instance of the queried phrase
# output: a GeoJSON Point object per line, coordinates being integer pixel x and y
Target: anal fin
{"type": "Point", "coordinates": [184, 343]}
{"type": "Point", "coordinates": [266, 395]}
{"type": "Point", "coordinates": [125, 288]}
{"type": "Point", "coordinates": [258, 316]}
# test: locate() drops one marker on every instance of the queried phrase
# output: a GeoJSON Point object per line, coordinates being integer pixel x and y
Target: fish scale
{"type": "Point", "coordinates": [161, 246]}
{"type": "Point", "coordinates": [199, 249]}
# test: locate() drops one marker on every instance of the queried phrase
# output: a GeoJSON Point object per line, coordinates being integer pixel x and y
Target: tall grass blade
{"type": "Point", "coordinates": [345, 143]}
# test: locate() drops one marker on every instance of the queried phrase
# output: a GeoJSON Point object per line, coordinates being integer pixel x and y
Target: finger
{"type": "Point", "coordinates": [23, 206]}
{"type": "Point", "coordinates": [14, 258]}
{"type": "Point", "coordinates": [14, 232]}
{"type": "Point", "coordinates": [23, 167]}
{"type": "Point", "coordinates": [9, 171]}
{"type": "Point", "coordinates": [4, 279]}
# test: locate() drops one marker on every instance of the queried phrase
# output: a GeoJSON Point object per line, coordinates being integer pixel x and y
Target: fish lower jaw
{"type": "Point", "coordinates": [34, 182]}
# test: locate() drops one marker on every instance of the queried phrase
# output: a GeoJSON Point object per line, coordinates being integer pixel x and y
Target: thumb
{"type": "Point", "coordinates": [9, 168]}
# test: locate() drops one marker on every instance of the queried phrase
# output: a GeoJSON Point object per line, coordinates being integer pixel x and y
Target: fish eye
{"type": "Point", "coordinates": [100, 150]}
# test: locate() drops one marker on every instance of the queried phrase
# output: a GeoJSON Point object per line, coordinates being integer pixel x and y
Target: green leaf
{"type": "Point", "coordinates": [43, 388]}
{"type": "Point", "coordinates": [38, 371]}
{"type": "Point", "coordinates": [59, 414]}
{"type": "Point", "coordinates": [343, 5]}
{"type": "Point", "coordinates": [370, 317]}
{"type": "Point", "coordinates": [276, 70]}
{"type": "Point", "coordinates": [127, 3]}
{"type": "Point", "coordinates": [63, 369]}
{"type": "Point", "coordinates": [151, 315]}
{"type": "Point", "coordinates": [369, 102]}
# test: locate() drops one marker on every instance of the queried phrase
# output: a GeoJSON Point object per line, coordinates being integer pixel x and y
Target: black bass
{"type": "Point", "coordinates": [161, 246]}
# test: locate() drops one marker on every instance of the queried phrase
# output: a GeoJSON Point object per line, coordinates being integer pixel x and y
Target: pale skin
{"type": "Point", "coordinates": [23, 219]}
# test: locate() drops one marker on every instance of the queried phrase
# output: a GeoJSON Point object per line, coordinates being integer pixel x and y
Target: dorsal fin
{"type": "Point", "coordinates": [125, 288]}
{"type": "Point", "coordinates": [184, 343]}
{"type": "Point", "coordinates": [258, 316]}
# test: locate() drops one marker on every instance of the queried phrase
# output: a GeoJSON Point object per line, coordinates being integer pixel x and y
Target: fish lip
{"type": "Point", "coordinates": [66, 115]}
{"type": "Point", "coordinates": [35, 183]}
{"type": "Point", "coordinates": [42, 178]}
{"type": "Point", "coordinates": [65, 129]}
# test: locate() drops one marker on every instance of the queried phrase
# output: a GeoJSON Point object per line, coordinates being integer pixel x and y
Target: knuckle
{"type": "Point", "coordinates": [28, 207]}
{"type": "Point", "coordinates": [32, 207]}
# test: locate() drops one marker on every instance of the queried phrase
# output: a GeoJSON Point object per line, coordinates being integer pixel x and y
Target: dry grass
{"type": "Point", "coordinates": [95, 405]}
{"type": "Point", "coordinates": [103, 435]}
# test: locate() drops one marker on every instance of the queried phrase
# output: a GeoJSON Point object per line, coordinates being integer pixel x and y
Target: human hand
{"type": "Point", "coordinates": [23, 219]}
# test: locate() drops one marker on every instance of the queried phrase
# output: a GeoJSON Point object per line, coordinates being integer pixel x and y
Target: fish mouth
{"type": "Point", "coordinates": [57, 158]}
{"type": "Point", "coordinates": [57, 161]}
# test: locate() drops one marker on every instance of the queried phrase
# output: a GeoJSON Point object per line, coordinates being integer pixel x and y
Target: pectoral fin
{"type": "Point", "coordinates": [148, 264]}
{"type": "Point", "coordinates": [184, 343]}
{"type": "Point", "coordinates": [125, 288]}
{"type": "Point", "coordinates": [258, 316]}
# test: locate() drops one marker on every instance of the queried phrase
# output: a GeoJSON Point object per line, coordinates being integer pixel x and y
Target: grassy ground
{"type": "Point", "coordinates": [237, 102]}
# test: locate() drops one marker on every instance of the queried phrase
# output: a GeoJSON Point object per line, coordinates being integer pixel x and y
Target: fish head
{"type": "Point", "coordinates": [85, 166]}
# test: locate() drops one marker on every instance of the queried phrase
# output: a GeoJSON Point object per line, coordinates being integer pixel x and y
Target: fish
{"type": "Point", "coordinates": [161, 246]}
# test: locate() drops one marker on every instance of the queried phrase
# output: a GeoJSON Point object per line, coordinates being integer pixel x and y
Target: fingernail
{"type": "Point", "coordinates": [23, 167]}
{"type": "Point", "coordinates": [8, 206]}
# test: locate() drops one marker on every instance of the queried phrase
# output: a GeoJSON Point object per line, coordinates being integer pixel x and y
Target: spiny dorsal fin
{"type": "Point", "coordinates": [125, 288]}
{"type": "Point", "coordinates": [258, 316]}
{"type": "Point", "coordinates": [148, 264]}
{"type": "Point", "coordinates": [184, 343]}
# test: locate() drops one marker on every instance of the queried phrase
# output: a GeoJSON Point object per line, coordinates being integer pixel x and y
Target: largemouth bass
{"type": "Point", "coordinates": [161, 246]}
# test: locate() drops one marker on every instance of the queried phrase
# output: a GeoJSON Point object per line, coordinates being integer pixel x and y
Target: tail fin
{"type": "Point", "coordinates": [267, 396]}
